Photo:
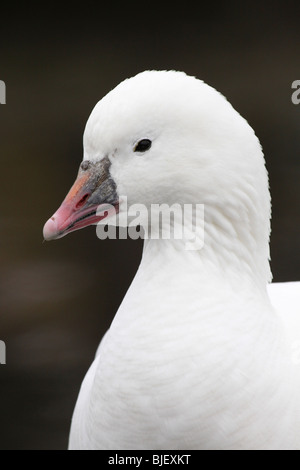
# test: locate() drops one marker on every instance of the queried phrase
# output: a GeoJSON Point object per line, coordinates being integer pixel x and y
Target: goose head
{"type": "Point", "coordinates": [165, 137]}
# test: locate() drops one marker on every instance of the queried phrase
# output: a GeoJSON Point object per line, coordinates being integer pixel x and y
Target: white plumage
{"type": "Point", "coordinates": [196, 356]}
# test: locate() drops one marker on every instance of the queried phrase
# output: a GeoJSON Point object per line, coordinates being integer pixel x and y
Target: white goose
{"type": "Point", "coordinates": [196, 356]}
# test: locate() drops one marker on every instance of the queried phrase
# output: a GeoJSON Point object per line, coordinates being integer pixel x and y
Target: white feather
{"type": "Point", "coordinates": [196, 356]}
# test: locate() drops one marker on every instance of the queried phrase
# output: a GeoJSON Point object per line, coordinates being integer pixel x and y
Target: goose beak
{"type": "Point", "coordinates": [89, 200]}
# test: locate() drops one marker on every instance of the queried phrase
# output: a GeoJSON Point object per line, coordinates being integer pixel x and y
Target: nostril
{"type": "Point", "coordinates": [82, 201]}
{"type": "Point", "coordinates": [85, 165]}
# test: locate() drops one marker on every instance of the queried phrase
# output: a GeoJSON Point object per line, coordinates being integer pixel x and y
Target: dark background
{"type": "Point", "coordinates": [58, 298]}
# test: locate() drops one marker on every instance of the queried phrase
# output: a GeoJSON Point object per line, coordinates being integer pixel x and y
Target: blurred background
{"type": "Point", "coordinates": [57, 299]}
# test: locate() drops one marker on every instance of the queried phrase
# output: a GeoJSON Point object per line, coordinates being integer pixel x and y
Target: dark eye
{"type": "Point", "coordinates": [143, 145]}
